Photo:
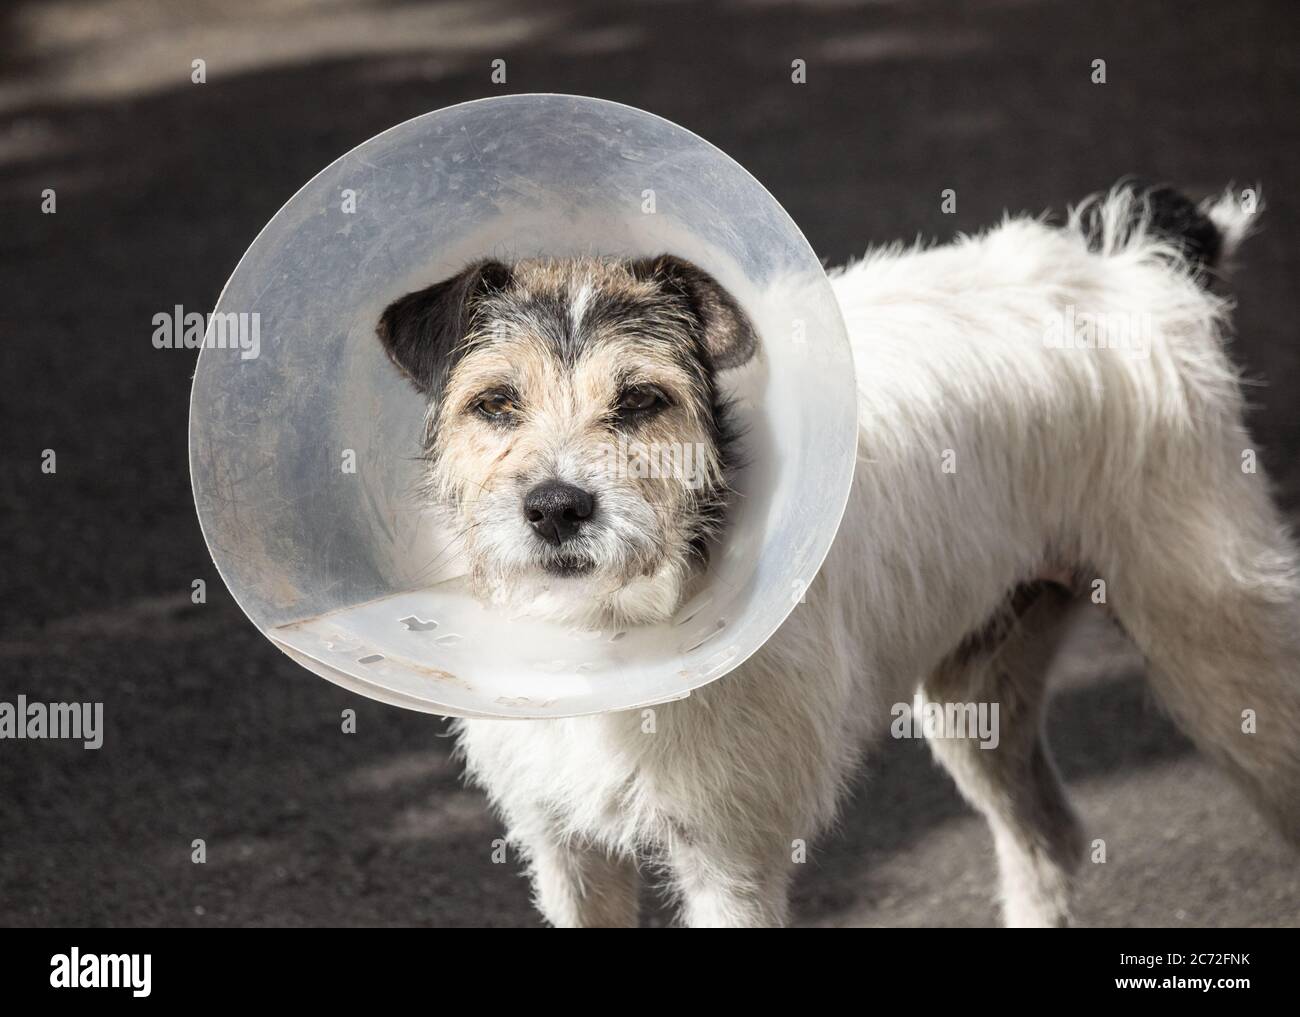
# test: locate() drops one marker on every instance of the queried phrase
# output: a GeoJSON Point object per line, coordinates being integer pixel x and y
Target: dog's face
{"type": "Point", "coordinates": [575, 435]}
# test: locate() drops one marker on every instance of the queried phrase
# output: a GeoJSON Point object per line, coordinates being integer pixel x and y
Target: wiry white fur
{"type": "Point", "coordinates": [1119, 467]}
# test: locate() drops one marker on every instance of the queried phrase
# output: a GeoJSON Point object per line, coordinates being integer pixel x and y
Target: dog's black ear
{"type": "Point", "coordinates": [422, 331]}
{"type": "Point", "coordinates": [724, 327]}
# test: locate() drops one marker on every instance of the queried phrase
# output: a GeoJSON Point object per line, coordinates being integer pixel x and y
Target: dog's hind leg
{"type": "Point", "coordinates": [1206, 586]}
{"type": "Point", "coordinates": [1198, 564]}
{"type": "Point", "coordinates": [1014, 782]}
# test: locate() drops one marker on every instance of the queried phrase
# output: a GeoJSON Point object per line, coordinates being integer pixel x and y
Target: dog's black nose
{"type": "Point", "coordinates": [556, 510]}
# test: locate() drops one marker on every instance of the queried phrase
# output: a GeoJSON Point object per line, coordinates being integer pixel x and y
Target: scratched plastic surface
{"type": "Point", "coordinates": [346, 571]}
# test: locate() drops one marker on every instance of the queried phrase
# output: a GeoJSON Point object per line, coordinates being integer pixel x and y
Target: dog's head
{"type": "Point", "coordinates": [576, 436]}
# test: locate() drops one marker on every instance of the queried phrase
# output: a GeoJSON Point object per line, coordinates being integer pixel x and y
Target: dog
{"type": "Point", "coordinates": [1046, 411]}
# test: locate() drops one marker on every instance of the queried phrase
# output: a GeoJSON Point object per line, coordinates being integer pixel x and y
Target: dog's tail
{"type": "Point", "coordinates": [1202, 238]}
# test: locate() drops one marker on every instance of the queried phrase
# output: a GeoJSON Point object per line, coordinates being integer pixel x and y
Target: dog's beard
{"type": "Point", "coordinates": [624, 569]}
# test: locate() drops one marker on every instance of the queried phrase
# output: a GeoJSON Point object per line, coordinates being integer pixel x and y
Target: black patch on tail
{"type": "Point", "coordinates": [1172, 216]}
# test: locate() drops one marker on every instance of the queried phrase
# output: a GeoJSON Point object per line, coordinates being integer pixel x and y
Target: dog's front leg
{"type": "Point", "coordinates": [579, 886]}
{"type": "Point", "coordinates": [721, 884]}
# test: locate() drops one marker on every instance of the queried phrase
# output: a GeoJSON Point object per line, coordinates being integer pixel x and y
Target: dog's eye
{"type": "Point", "coordinates": [641, 399]}
{"type": "Point", "coordinates": [496, 405]}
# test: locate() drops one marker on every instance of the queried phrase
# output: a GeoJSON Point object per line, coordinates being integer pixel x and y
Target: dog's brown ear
{"type": "Point", "coordinates": [725, 328]}
{"type": "Point", "coordinates": [422, 331]}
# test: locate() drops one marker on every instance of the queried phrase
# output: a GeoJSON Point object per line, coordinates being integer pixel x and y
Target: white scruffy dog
{"type": "Point", "coordinates": [1042, 409]}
